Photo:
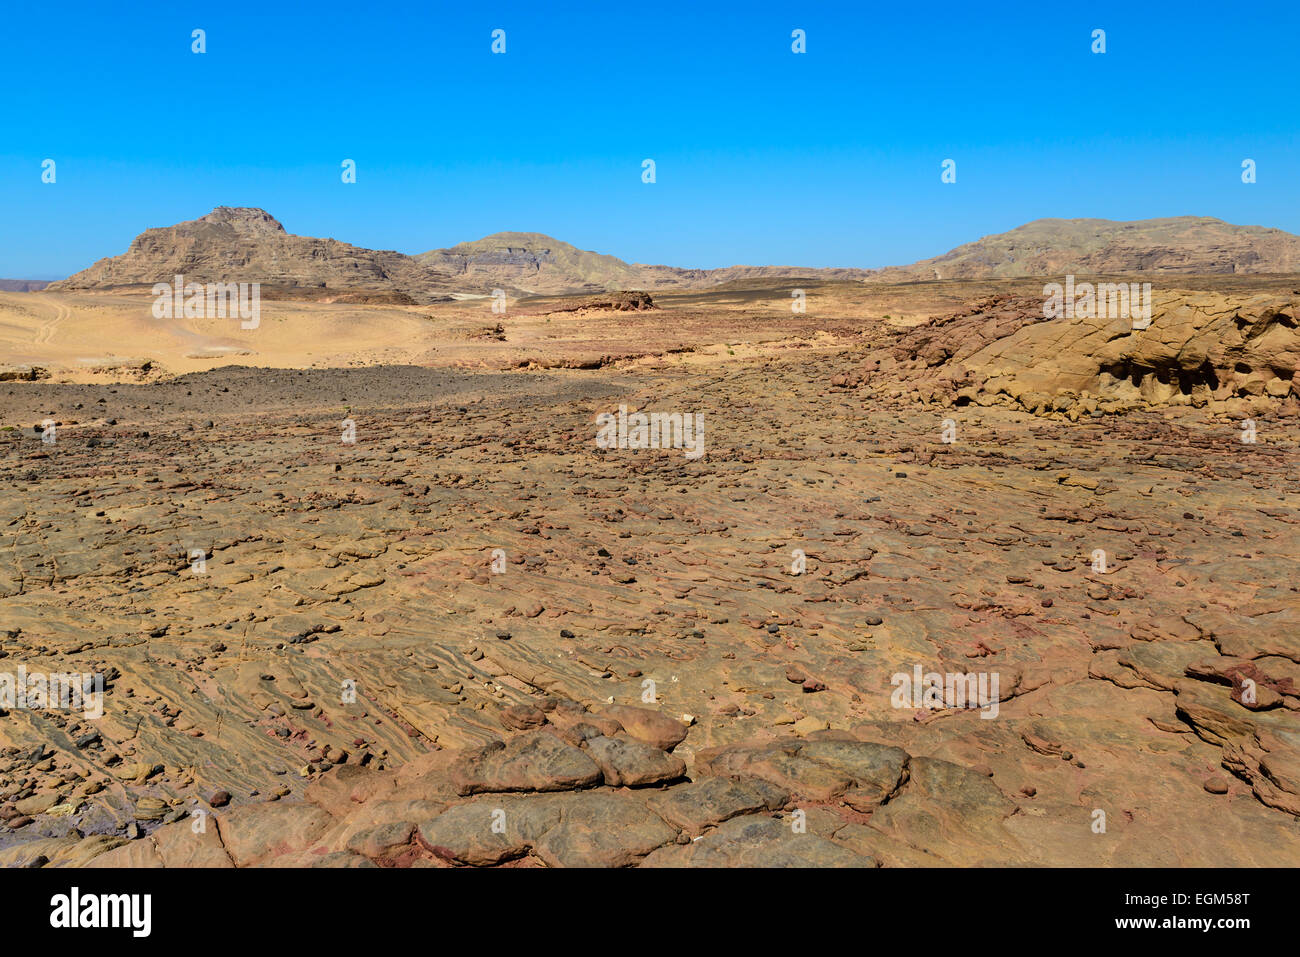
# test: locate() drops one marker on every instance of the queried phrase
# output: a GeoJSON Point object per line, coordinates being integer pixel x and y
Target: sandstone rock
{"type": "Point", "coordinates": [757, 841]}
{"type": "Point", "coordinates": [653, 727]}
{"type": "Point", "coordinates": [710, 801]}
{"type": "Point", "coordinates": [257, 833]}
{"type": "Point", "coordinates": [536, 761]}
{"type": "Point", "coordinates": [631, 763]}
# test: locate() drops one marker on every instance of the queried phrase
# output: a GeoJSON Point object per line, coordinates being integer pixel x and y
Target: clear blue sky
{"type": "Point", "coordinates": [830, 158]}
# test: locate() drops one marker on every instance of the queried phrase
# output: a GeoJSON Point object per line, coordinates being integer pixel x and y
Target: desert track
{"type": "Point", "coordinates": [45, 332]}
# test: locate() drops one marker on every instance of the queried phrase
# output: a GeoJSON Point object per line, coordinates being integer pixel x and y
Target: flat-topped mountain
{"type": "Point", "coordinates": [1055, 247]}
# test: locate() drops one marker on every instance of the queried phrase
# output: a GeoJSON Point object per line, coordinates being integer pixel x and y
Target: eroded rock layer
{"type": "Point", "coordinates": [476, 637]}
{"type": "Point", "coordinates": [1237, 355]}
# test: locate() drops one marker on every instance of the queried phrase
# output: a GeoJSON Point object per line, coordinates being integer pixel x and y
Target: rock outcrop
{"type": "Point", "coordinates": [1235, 355]}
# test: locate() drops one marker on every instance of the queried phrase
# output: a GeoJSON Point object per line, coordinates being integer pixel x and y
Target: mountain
{"type": "Point", "coordinates": [1055, 247]}
{"type": "Point", "coordinates": [532, 262]}
{"type": "Point", "coordinates": [541, 265]}
{"type": "Point", "coordinates": [249, 245]}
{"type": "Point", "coordinates": [22, 285]}
{"type": "Point", "coordinates": [238, 244]}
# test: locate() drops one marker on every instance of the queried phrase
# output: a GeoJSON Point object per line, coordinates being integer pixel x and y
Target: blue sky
{"type": "Point", "coordinates": [829, 158]}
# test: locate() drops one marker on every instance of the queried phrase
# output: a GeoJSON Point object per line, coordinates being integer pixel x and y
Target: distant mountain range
{"type": "Point", "coordinates": [1054, 247]}
{"type": "Point", "coordinates": [22, 285]}
{"type": "Point", "coordinates": [250, 245]}
{"type": "Point", "coordinates": [235, 244]}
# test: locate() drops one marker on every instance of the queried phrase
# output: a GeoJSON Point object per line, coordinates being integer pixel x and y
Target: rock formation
{"type": "Point", "coordinates": [1236, 355]}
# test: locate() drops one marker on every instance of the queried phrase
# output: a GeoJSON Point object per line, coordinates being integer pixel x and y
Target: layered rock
{"type": "Point", "coordinates": [1238, 355]}
{"type": "Point", "coordinates": [669, 649]}
{"type": "Point", "coordinates": [542, 812]}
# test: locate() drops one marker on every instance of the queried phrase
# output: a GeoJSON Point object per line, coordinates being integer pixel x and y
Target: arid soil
{"type": "Point", "coordinates": [475, 637]}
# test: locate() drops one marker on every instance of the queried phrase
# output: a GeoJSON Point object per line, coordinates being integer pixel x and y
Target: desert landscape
{"type": "Point", "coordinates": [394, 576]}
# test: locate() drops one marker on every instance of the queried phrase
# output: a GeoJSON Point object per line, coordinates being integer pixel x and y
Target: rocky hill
{"type": "Point", "coordinates": [531, 262]}
{"type": "Point", "coordinates": [539, 264]}
{"type": "Point", "coordinates": [1054, 247]}
{"type": "Point", "coordinates": [233, 244]}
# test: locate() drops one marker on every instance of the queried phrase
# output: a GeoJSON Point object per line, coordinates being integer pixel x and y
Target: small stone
{"type": "Point", "coordinates": [150, 809]}
{"type": "Point", "coordinates": [810, 724]}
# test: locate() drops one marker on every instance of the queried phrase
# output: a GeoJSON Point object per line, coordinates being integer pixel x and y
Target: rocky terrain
{"type": "Point", "coordinates": [1238, 356]}
{"type": "Point", "coordinates": [474, 637]}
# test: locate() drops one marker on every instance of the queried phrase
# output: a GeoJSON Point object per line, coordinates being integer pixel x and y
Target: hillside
{"type": "Point", "coordinates": [1054, 247]}
{"type": "Point", "coordinates": [233, 244]}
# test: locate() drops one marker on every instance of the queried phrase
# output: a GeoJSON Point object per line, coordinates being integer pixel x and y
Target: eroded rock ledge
{"type": "Point", "coordinates": [589, 789]}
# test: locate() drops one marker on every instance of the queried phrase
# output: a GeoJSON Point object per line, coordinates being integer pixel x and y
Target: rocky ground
{"type": "Point", "coordinates": [474, 637]}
